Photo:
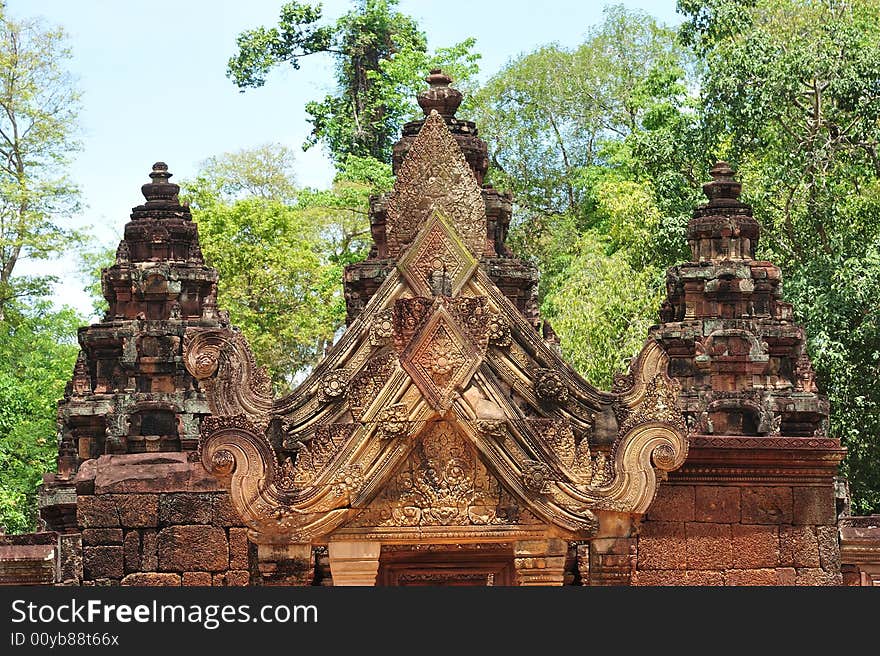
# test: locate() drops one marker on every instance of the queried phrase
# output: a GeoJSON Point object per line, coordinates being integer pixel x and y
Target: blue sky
{"type": "Point", "coordinates": [154, 87]}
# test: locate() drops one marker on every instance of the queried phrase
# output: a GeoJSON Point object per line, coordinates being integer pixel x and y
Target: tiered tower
{"type": "Point", "coordinates": [755, 501]}
{"type": "Point", "coordinates": [741, 360]}
{"type": "Point", "coordinates": [130, 502]}
{"type": "Point", "coordinates": [517, 279]}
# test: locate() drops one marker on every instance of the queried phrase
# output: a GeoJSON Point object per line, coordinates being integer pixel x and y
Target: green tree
{"type": "Point", "coordinates": [790, 95]}
{"type": "Point", "coordinates": [600, 146]}
{"type": "Point", "coordinates": [38, 349]}
{"type": "Point", "coordinates": [38, 112]}
{"type": "Point", "coordinates": [380, 54]}
{"type": "Point", "coordinates": [280, 250]}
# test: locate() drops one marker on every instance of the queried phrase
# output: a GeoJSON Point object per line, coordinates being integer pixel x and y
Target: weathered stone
{"type": "Point", "coordinates": [786, 576]}
{"type": "Point", "coordinates": [151, 579]}
{"type": "Point", "coordinates": [752, 577]}
{"type": "Point", "coordinates": [196, 578]}
{"type": "Point", "coordinates": [238, 549]}
{"type": "Point", "coordinates": [829, 548]}
{"type": "Point", "coordinates": [703, 577]}
{"type": "Point", "coordinates": [755, 546]}
{"type": "Point", "coordinates": [660, 577]}
{"type": "Point", "coordinates": [224, 513]}
{"type": "Point", "coordinates": [131, 548]}
{"type": "Point", "coordinates": [798, 546]}
{"type": "Point", "coordinates": [814, 505]}
{"type": "Point", "coordinates": [238, 578]}
{"type": "Point", "coordinates": [96, 511]}
{"type": "Point", "coordinates": [103, 562]}
{"type": "Point", "coordinates": [709, 546]}
{"type": "Point", "coordinates": [193, 548]}
{"type": "Point", "coordinates": [766, 505]}
{"type": "Point", "coordinates": [674, 503]}
{"type": "Point", "coordinates": [70, 565]}
{"type": "Point", "coordinates": [661, 546]}
{"type": "Point", "coordinates": [149, 551]}
{"type": "Point", "coordinates": [96, 536]}
{"type": "Point", "coordinates": [182, 508]}
{"type": "Point", "coordinates": [816, 576]}
{"type": "Point", "coordinates": [716, 504]}
{"type": "Point", "coordinates": [138, 510]}
{"type": "Point", "coordinates": [133, 473]}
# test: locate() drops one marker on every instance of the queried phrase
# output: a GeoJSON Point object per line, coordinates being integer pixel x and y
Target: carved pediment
{"type": "Point", "coordinates": [441, 407]}
{"type": "Point", "coordinates": [435, 176]}
{"type": "Point", "coordinates": [443, 482]}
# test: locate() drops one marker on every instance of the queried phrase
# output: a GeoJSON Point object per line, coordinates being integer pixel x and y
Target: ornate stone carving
{"type": "Point", "coordinates": [658, 404]}
{"type": "Point", "coordinates": [435, 176]}
{"type": "Point", "coordinates": [82, 382]}
{"type": "Point", "coordinates": [349, 480]}
{"type": "Point", "coordinates": [365, 385]}
{"type": "Point", "coordinates": [549, 386]}
{"type": "Point", "coordinates": [315, 454]}
{"type": "Point", "coordinates": [333, 386]}
{"type": "Point", "coordinates": [442, 483]}
{"type": "Point", "coordinates": [537, 476]}
{"type": "Point", "coordinates": [437, 263]}
{"type": "Point", "coordinates": [503, 436]}
{"type": "Point", "coordinates": [382, 327]}
{"type": "Point", "coordinates": [494, 428]}
{"type": "Point", "coordinates": [440, 359]}
{"type": "Point", "coordinates": [223, 362]}
{"type": "Point", "coordinates": [394, 422]}
{"type": "Point", "coordinates": [498, 330]}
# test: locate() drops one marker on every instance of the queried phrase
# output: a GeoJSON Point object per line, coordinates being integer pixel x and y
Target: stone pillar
{"type": "Point", "coordinates": [611, 561]}
{"type": "Point", "coordinates": [285, 564]}
{"type": "Point", "coordinates": [540, 562]}
{"type": "Point", "coordinates": [354, 563]}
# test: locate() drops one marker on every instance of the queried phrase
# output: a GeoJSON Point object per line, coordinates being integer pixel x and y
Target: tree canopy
{"type": "Point", "coordinates": [791, 95]}
{"type": "Point", "coordinates": [39, 103]}
{"type": "Point", "coordinates": [280, 249]}
{"type": "Point", "coordinates": [379, 53]}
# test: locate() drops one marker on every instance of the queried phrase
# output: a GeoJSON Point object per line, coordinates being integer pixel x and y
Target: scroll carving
{"type": "Point", "coordinates": [222, 362]}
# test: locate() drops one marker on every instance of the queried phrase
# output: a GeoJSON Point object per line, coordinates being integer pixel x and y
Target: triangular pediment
{"type": "Point", "coordinates": [443, 482]}
{"type": "Point", "coordinates": [442, 402]}
{"type": "Point", "coordinates": [435, 177]}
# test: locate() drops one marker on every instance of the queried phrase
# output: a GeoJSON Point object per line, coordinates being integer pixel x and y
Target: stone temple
{"type": "Point", "coordinates": [443, 440]}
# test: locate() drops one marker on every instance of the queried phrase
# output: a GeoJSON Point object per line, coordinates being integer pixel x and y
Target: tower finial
{"type": "Point", "coordinates": [160, 191]}
{"type": "Point", "coordinates": [440, 95]}
{"type": "Point", "coordinates": [723, 188]}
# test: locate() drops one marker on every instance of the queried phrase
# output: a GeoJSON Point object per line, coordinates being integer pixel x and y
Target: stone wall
{"type": "Point", "coordinates": [705, 534]}
{"type": "Point", "coordinates": [149, 519]}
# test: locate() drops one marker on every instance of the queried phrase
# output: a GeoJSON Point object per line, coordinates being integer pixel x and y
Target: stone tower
{"type": "Point", "coordinates": [517, 279]}
{"type": "Point", "coordinates": [754, 503]}
{"type": "Point", "coordinates": [128, 498]}
{"type": "Point", "coordinates": [740, 358]}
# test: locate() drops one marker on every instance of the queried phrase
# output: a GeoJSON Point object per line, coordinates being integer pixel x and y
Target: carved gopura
{"type": "Point", "coordinates": [444, 415]}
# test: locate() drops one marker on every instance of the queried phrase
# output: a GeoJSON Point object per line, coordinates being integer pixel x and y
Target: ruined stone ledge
{"type": "Point", "coordinates": [148, 472]}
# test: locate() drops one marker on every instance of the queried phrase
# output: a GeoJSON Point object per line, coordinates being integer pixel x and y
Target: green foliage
{"type": "Point", "coordinates": [600, 146]}
{"type": "Point", "coordinates": [92, 261]}
{"type": "Point", "coordinates": [790, 95]}
{"type": "Point", "coordinates": [38, 112]}
{"type": "Point", "coordinates": [603, 310]}
{"type": "Point", "coordinates": [280, 250]}
{"type": "Point", "coordinates": [265, 171]}
{"type": "Point", "coordinates": [380, 54]}
{"type": "Point", "coordinates": [279, 287]}
{"type": "Point", "coordinates": [37, 352]}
